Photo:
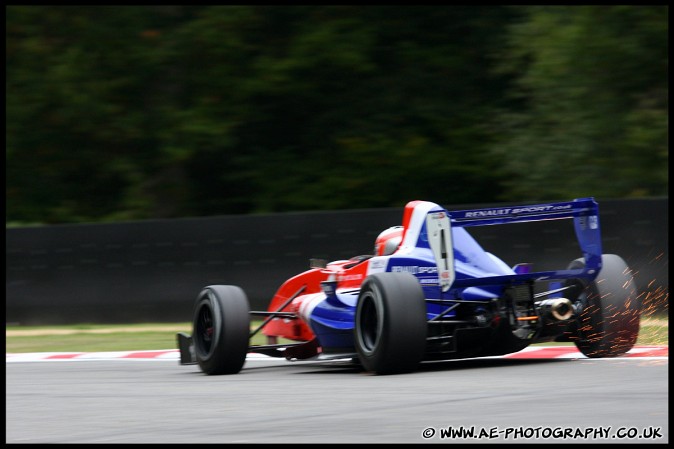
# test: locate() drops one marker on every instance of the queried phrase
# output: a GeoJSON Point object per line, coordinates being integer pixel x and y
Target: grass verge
{"type": "Point", "coordinates": [157, 336]}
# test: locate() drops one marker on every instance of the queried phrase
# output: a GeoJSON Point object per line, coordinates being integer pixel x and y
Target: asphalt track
{"type": "Point", "coordinates": [512, 400]}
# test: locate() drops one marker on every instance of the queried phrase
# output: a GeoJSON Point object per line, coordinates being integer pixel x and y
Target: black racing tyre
{"type": "Point", "coordinates": [391, 326]}
{"type": "Point", "coordinates": [608, 324]}
{"type": "Point", "coordinates": [221, 329]}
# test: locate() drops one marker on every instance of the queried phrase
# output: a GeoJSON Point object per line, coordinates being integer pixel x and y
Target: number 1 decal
{"type": "Point", "coordinates": [440, 240]}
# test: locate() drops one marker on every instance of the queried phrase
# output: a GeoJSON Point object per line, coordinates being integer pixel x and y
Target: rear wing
{"type": "Point", "coordinates": [583, 211]}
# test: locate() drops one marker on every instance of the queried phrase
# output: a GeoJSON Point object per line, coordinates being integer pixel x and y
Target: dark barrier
{"type": "Point", "coordinates": [151, 271]}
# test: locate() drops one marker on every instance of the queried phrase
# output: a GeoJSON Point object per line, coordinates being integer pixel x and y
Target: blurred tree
{"type": "Point", "coordinates": [132, 112]}
{"type": "Point", "coordinates": [338, 106]}
{"type": "Point", "coordinates": [589, 113]}
{"type": "Point", "coordinates": [83, 116]}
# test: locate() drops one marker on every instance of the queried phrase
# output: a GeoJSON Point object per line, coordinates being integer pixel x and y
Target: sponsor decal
{"type": "Point", "coordinates": [428, 281]}
{"type": "Point", "coordinates": [487, 213]}
{"type": "Point", "coordinates": [349, 277]}
{"type": "Point", "coordinates": [414, 269]}
{"type": "Point", "coordinates": [377, 264]}
{"type": "Point", "coordinates": [514, 211]}
{"type": "Point", "coordinates": [591, 222]}
{"type": "Point", "coordinates": [594, 222]}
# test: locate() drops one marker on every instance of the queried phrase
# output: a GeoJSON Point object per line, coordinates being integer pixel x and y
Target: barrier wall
{"type": "Point", "coordinates": [152, 271]}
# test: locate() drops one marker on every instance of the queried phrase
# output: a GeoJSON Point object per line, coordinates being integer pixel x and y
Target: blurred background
{"type": "Point", "coordinates": [120, 113]}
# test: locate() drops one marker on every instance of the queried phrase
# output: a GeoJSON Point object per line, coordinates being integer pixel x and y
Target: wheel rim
{"type": "Point", "coordinates": [369, 323]}
{"type": "Point", "coordinates": [608, 322]}
{"type": "Point", "coordinates": [204, 330]}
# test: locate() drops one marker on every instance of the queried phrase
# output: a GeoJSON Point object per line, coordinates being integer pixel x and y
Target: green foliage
{"type": "Point", "coordinates": [133, 112]}
{"type": "Point", "coordinates": [591, 85]}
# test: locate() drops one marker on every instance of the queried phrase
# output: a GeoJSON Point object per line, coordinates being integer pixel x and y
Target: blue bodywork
{"type": "Point", "coordinates": [479, 275]}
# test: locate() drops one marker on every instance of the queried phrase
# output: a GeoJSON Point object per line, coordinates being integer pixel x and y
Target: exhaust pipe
{"type": "Point", "coordinates": [557, 309]}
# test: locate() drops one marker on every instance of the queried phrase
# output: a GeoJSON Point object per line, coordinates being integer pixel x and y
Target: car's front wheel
{"type": "Point", "coordinates": [221, 329]}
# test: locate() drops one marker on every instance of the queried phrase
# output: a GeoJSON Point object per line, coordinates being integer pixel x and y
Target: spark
{"type": "Point", "coordinates": [659, 256]}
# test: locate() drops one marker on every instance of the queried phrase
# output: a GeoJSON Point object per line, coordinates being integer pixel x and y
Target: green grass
{"type": "Point", "coordinates": [92, 338]}
{"type": "Point", "coordinates": [654, 331]}
{"type": "Point", "coordinates": [155, 336]}
{"type": "Point", "coordinates": [130, 341]}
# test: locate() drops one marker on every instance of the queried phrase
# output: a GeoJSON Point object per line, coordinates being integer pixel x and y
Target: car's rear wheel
{"type": "Point", "coordinates": [608, 324]}
{"type": "Point", "coordinates": [391, 326]}
{"type": "Point", "coordinates": [221, 329]}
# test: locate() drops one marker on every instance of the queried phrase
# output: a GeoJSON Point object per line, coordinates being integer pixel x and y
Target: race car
{"type": "Point", "coordinates": [428, 292]}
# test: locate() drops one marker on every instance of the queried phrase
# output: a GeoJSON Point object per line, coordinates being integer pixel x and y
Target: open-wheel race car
{"type": "Point", "coordinates": [429, 292]}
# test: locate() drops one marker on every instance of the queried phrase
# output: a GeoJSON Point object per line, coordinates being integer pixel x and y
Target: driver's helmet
{"type": "Point", "coordinates": [388, 241]}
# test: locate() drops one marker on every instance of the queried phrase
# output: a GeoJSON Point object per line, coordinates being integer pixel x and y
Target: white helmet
{"type": "Point", "coordinates": [388, 241]}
